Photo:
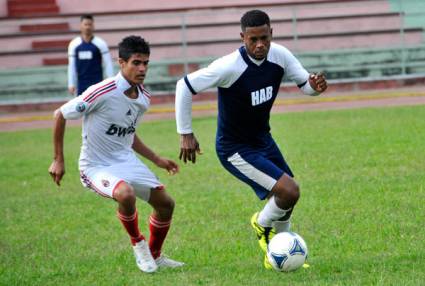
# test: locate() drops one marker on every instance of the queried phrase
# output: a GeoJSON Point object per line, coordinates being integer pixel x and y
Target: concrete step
{"type": "Point", "coordinates": [32, 9]}
{"type": "Point", "coordinates": [50, 45]}
{"type": "Point", "coordinates": [40, 28]}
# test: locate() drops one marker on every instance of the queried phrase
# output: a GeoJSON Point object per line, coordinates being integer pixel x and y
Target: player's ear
{"type": "Point", "coordinates": [242, 36]}
{"type": "Point", "coordinates": [121, 62]}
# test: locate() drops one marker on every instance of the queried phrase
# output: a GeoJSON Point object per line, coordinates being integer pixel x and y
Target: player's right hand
{"type": "Point", "coordinates": [56, 171]}
{"type": "Point", "coordinates": [189, 147]}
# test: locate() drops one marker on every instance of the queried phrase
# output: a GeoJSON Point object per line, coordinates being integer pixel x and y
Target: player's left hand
{"type": "Point", "coordinates": [169, 165]}
{"type": "Point", "coordinates": [318, 82]}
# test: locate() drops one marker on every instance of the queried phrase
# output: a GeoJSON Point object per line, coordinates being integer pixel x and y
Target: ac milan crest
{"type": "Point", "coordinates": [105, 183]}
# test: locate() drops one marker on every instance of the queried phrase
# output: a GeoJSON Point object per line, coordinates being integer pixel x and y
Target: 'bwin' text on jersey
{"type": "Point", "coordinates": [120, 131]}
{"type": "Point", "coordinates": [261, 96]}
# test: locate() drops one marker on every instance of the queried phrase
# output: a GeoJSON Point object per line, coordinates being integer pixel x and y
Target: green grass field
{"type": "Point", "coordinates": [361, 211]}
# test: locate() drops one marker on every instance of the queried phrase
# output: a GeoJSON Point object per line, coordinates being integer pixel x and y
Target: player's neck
{"type": "Point", "coordinates": [255, 61]}
{"type": "Point", "coordinates": [132, 92]}
{"type": "Point", "coordinates": [87, 38]}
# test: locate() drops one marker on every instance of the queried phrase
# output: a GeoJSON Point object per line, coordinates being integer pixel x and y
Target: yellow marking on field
{"type": "Point", "coordinates": [279, 101]}
{"type": "Point", "coordinates": [26, 118]}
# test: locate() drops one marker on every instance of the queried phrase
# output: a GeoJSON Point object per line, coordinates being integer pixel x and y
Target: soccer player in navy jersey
{"type": "Point", "coordinates": [248, 82]}
{"type": "Point", "coordinates": [88, 56]}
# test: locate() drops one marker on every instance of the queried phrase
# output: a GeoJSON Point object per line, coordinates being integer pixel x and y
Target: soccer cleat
{"type": "Point", "coordinates": [165, 262]}
{"type": "Point", "coordinates": [144, 258]}
{"type": "Point", "coordinates": [306, 265]}
{"type": "Point", "coordinates": [267, 264]}
{"type": "Point", "coordinates": [264, 234]}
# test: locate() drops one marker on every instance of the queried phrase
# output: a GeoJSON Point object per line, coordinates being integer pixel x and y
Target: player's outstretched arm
{"type": "Point", "coordinates": [57, 168]}
{"type": "Point", "coordinates": [318, 82]}
{"type": "Point", "coordinates": [164, 163]}
{"type": "Point", "coordinates": [189, 147]}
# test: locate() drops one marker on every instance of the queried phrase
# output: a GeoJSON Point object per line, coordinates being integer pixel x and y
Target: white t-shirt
{"type": "Point", "coordinates": [109, 121]}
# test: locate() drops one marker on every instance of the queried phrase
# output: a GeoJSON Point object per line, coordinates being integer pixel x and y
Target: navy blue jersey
{"type": "Point", "coordinates": [246, 91]}
{"type": "Point", "coordinates": [85, 63]}
{"type": "Point", "coordinates": [244, 107]}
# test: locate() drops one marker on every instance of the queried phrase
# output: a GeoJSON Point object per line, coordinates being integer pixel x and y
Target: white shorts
{"type": "Point", "coordinates": [104, 180]}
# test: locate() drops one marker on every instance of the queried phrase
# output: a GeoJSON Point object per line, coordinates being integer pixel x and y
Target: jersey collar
{"type": "Point", "coordinates": [249, 60]}
{"type": "Point", "coordinates": [122, 83]}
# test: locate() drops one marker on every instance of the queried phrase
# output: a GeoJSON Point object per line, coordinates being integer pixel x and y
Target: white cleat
{"type": "Point", "coordinates": [144, 258]}
{"type": "Point", "coordinates": [165, 262]}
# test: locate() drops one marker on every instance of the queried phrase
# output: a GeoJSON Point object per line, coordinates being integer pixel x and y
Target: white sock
{"type": "Point", "coordinates": [271, 212]}
{"type": "Point", "coordinates": [282, 226]}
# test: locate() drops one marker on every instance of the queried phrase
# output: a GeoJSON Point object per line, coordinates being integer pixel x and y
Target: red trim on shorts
{"type": "Point", "coordinates": [116, 186]}
{"type": "Point", "coordinates": [160, 188]}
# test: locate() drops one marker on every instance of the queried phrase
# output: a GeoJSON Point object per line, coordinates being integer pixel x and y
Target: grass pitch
{"type": "Point", "coordinates": [361, 211]}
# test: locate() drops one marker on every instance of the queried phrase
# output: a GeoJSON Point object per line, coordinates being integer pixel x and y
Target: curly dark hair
{"type": "Point", "coordinates": [254, 18]}
{"type": "Point", "coordinates": [133, 45]}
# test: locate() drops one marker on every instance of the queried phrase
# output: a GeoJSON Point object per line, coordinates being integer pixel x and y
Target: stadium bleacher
{"type": "Point", "coordinates": [346, 39]}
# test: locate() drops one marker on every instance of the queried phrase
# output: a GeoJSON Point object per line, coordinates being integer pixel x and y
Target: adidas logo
{"type": "Point", "coordinates": [128, 112]}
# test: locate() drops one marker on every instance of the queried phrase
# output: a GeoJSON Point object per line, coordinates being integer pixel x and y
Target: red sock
{"type": "Point", "coordinates": [131, 225]}
{"type": "Point", "coordinates": [158, 232]}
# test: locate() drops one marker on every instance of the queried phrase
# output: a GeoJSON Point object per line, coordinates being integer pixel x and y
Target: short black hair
{"type": "Point", "coordinates": [254, 18]}
{"type": "Point", "coordinates": [133, 45]}
{"type": "Point", "coordinates": [86, 16]}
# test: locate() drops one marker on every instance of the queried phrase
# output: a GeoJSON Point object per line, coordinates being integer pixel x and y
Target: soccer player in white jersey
{"type": "Point", "coordinates": [88, 58]}
{"type": "Point", "coordinates": [248, 82]}
{"type": "Point", "coordinates": [108, 164]}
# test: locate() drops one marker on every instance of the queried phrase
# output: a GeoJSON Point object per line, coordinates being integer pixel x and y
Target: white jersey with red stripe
{"type": "Point", "coordinates": [109, 121]}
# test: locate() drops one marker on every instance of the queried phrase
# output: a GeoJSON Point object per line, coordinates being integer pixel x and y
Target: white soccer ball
{"type": "Point", "coordinates": [287, 251]}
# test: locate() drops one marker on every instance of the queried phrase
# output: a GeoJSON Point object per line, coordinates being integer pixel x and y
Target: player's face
{"type": "Point", "coordinates": [87, 27]}
{"type": "Point", "coordinates": [257, 41]}
{"type": "Point", "coordinates": [135, 68]}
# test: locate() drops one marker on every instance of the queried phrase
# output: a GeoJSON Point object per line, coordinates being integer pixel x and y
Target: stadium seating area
{"type": "Point", "coordinates": [345, 38]}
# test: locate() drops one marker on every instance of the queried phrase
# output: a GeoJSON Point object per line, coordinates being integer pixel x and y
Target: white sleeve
{"type": "Point", "coordinates": [308, 90]}
{"type": "Point", "coordinates": [72, 69]}
{"type": "Point", "coordinates": [223, 72]}
{"type": "Point", "coordinates": [294, 71]}
{"type": "Point", "coordinates": [82, 104]}
{"type": "Point", "coordinates": [108, 65]}
{"type": "Point", "coordinates": [183, 108]}
{"type": "Point", "coordinates": [192, 84]}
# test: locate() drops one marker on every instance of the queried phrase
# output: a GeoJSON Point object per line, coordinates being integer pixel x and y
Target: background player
{"type": "Point", "coordinates": [108, 164]}
{"type": "Point", "coordinates": [85, 56]}
{"type": "Point", "coordinates": [248, 82]}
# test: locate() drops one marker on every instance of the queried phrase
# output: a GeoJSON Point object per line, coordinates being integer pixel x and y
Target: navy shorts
{"type": "Point", "coordinates": [258, 166]}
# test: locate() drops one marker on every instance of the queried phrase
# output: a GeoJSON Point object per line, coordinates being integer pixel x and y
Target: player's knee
{"type": "Point", "coordinates": [168, 204]}
{"type": "Point", "coordinates": [288, 192]}
{"type": "Point", "coordinates": [293, 193]}
{"type": "Point", "coordinates": [162, 202]}
{"type": "Point", "coordinates": [125, 194]}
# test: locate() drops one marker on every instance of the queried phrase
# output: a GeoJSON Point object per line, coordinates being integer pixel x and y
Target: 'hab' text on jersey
{"type": "Point", "coordinates": [262, 95]}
